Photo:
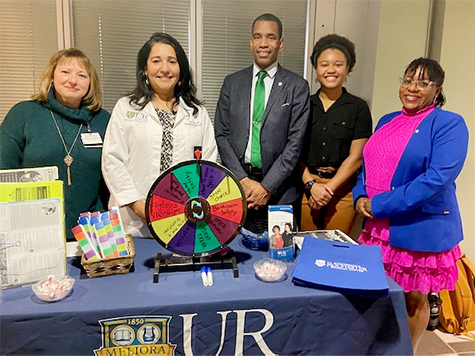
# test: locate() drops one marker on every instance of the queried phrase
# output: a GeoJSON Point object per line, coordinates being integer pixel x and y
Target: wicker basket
{"type": "Point", "coordinates": [108, 266]}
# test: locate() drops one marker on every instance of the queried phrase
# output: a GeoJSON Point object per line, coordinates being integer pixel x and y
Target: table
{"type": "Point", "coordinates": [179, 315]}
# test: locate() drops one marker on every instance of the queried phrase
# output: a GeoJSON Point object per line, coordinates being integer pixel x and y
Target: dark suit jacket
{"type": "Point", "coordinates": [282, 133]}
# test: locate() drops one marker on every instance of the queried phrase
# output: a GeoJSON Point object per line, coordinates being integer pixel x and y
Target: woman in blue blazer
{"type": "Point", "coordinates": [406, 191]}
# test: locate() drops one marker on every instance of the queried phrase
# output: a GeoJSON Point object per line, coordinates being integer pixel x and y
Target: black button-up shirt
{"type": "Point", "coordinates": [330, 133]}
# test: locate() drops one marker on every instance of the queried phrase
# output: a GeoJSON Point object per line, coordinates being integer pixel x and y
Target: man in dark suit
{"type": "Point", "coordinates": [260, 136]}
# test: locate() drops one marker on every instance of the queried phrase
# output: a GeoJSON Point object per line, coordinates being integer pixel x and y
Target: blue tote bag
{"type": "Point", "coordinates": [341, 267]}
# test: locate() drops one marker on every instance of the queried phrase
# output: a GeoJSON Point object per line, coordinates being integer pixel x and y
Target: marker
{"type": "Point", "coordinates": [204, 277]}
{"type": "Point", "coordinates": [209, 275]}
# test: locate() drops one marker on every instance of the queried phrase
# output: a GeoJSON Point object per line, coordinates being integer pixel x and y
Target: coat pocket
{"type": "Point", "coordinates": [436, 208]}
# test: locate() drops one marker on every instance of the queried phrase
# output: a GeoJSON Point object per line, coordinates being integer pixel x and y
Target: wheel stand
{"type": "Point", "coordinates": [189, 263]}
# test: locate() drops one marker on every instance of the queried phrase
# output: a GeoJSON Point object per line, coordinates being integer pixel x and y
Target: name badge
{"type": "Point", "coordinates": [91, 139]}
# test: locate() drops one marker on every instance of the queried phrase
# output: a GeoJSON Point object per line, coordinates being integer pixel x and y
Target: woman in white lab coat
{"type": "Point", "coordinates": [159, 125]}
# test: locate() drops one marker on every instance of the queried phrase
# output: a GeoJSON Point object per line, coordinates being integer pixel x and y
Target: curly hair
{"type": "Point", "coordinates": [184, 89]}
{"type": "Point", "coordinates": [434, 71]}
{"type": "Point", "coordinates": [336, 42]}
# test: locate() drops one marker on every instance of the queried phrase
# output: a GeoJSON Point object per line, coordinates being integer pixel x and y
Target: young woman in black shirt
{"type": "Point", "coordinates": [339, 127]}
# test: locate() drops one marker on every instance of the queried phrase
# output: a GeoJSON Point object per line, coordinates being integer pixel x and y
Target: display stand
{"type": "Point", "coordinates": [195, 209]}
{"type": "Point", "coordinates": [188, 263]}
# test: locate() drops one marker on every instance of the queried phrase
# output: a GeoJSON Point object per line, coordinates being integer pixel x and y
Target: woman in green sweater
{"type": "Point", "coordinates": [62, 126]}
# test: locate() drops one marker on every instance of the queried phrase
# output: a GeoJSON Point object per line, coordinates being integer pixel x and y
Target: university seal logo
{"type": "Point", "coordinates": [135, 335]}
{"type": "Point", "coordinates": [320, 263]}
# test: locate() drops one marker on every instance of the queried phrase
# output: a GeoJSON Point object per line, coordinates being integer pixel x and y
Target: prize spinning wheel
{"type": "Point", "coordinates": [195, 208]}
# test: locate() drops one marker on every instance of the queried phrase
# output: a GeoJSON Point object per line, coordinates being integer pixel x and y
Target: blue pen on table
{"type": "Point", "coordinates": [204, 277]}
{"type": "Point", "coordinates": [209, 275]}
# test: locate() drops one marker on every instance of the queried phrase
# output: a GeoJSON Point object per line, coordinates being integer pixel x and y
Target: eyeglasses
{"type": "Point", "coordinates": [420, 84]}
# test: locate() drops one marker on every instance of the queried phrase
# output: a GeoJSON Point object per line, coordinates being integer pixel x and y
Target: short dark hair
{"type": "Point", "coordinates": [269, 17]}
{"type": "Point", "coordinates": [184, 89]}
{"type": "Point", "coordinates": [434, 71]}
{"type": "Point", "coordinates": [337, 42]}
{"type": "Point", "coordinates": [276, 226]}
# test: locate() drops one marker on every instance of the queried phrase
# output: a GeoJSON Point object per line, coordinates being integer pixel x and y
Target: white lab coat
{"type": "Point", "coordinates": [132, 150]}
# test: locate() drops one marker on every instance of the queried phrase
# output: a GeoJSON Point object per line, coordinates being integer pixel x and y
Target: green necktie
{"type": "Point", "coordinates": [257, 115]}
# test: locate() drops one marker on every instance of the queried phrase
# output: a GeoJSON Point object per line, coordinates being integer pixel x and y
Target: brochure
{"type": "Point", "coordinates": [32, 233]}
{"type": "Point", "coordinates": [24, 175]}
{"type": "Point", "coordinates": [32, 243]}
{"type": "Point", "coordinates": [281, 232]}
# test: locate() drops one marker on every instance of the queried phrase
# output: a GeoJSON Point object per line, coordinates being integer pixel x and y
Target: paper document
{"type": "Point", "coordinates": [30, 191]}
{"type": "Point", "coordinates": [35, 174]}
{"type": "Point", "coordinates": [32, 243]}
{"type": "Point", "coordinates": [331, 235]}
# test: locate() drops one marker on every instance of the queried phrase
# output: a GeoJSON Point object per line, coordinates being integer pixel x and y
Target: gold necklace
{"type": "Point", "coordinates": [68, 159]}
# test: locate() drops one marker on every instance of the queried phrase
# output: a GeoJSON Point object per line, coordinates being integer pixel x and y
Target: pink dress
{"type": "Point", "coordinates": [412, 270]}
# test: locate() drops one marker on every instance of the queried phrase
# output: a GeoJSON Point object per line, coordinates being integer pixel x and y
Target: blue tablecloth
{"type": "Point", "coordinates": [235, 316]}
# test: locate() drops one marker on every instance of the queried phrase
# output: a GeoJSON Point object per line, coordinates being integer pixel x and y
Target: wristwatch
{"type": "Point", "coordinates": [309, 184]}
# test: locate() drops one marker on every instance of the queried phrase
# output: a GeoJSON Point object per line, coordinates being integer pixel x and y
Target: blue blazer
{"type": "Point", "coordinates": [422, 207]}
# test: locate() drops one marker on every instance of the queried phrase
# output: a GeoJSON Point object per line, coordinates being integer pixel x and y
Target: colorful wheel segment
{"type": "Point", "coordinates": [195, 208]}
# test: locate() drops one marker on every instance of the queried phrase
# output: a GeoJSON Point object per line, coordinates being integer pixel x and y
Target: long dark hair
{"type": "Point", "coordinates": [434, 71]}
{"type": "Point", "coordinates": [184, 89]}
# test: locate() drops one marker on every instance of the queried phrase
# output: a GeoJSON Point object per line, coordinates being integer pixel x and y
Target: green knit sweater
{"type": "Point", "coordinates": [29, 138]}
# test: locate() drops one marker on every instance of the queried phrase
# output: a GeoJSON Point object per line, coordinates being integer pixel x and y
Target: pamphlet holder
{"type": "Point", "coordinates": [189, 263]}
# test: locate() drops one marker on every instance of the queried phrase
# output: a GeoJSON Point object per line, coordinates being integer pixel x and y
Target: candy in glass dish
{"type": "Point", "coordinates": [53, 288]}
{"type": "Point", "coordinates": [270, 270]}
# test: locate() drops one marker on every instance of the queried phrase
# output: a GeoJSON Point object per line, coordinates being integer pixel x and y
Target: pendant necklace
{"type": "Point", "coordinates": [68, 159]}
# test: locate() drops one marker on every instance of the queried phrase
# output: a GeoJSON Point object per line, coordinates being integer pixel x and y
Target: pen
{"type": "Point", "coordinates": [209, 275]}
{"type": "Point", "coordinates": [204, 278]}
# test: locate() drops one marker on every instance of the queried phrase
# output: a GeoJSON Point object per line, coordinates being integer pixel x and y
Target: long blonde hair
{"type": "Point", "coordinates": [93, 98]}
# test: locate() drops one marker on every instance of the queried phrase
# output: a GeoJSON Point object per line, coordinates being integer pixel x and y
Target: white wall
{"type": "Point", "coordinates": [402, 36]}
{"type": "Point", "coordinates": [458, 60]}
{"type": "Point", "coordinates": [358, 21]}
